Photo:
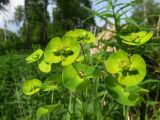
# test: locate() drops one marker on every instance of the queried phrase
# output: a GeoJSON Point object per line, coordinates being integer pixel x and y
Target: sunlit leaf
{"type": "Point", "coordinates": [45, 110]}
{"type": "Point", "coordinates": [34, 56]}
{"type": "Point", "coordinates": [51, 83]}
{"type": "Point", "coordinates": [82, 36]}
{"type": "Point", "coordinates": [136, 89]}
{"type": "Point", "coordinates": [80, 58]}
{"type": "Point", "coordinates": [76, 77]}
{"type": "Point", "coordinates": [119, 93]}
{"type": "Point", "coordinates": [41, 111]}
{"type": "Point", "coordinates": [45, 67]}
{"type": "Point", "coordinates": [31, 86]}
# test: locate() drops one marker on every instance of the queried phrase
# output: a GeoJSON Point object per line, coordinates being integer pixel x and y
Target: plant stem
{"type": "Point", "coordinates": [74, 105]}
{"type": "Point", "coordinates": [64, 103]}
{"type": "Point", "coordinates": [83, 52]}
{"type": "Point", "coordinates": [115, 18]}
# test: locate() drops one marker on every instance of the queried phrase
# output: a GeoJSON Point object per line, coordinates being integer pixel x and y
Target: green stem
{"type": "Point", "coordinates": [64, 103]}
{"type": "Point", "coordinates": [83, 109]}
{"type": "Point", "coordinates": [115, 18]}
{"type": "Point", "coordinates": [83, 52]}
{"type": "Point", "coordinates": [74, 105]}
{"type": "Point", "coordinates": [52, 97]}
{"type": "Point", "coordinates": [125, 112]}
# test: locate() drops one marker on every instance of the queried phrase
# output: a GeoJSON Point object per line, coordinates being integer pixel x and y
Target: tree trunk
{"type": "Point", "coordinates": [27, 32]}
{"type": "Point", "coordinates": [44, 26]}
{"type": "Point", "coordinates": [145, 13]}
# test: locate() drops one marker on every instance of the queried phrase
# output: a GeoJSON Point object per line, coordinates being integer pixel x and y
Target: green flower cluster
{"type": "Point", "coordinates": [127, 73]}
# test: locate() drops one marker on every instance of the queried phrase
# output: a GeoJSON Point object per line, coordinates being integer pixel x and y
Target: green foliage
{"type": "Point", "coordinates": [76, 77]}
{"type": "Point", "coordinates": [34, 56]}
{"type": "Point", "coordinates": [120, 94]}
{"type": "Point", "coordinates": [130, 71]}
{"type": "Point", "coordinates": [45, 110]}
{"type": "Point", "coordinates": [70, 15]}
{"type": "Point", "coordinates": [146, 13]}
{"type": "Point", "coordinates": [45, 66]}
{"type": "Point", "coordinates": [66, 50]}
{"type": "Point", "coordinates": [19, 14]}
{"type": "Point", "coordinates": [2, 3]}
{"type": "Point", "coordinates": [69, 81]}
{"type": "Point", "coordinates": [82, 36]}
{"type": "Point", "coordinates": [138, 38]}
{"type": "Point", "coordinates": [31, 87]}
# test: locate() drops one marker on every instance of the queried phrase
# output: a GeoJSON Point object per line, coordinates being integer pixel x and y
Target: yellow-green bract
{"type": "Point", "coordinates": [45, 67]}
{"type": "Point", "coordinates": [137, 38]}
{"type": "Point", "coordinates": [82, 36]}
{"type": "Point", "coordinates": [34, 56]}
{"type": "Point", "coordinates": [64, 50]}
{"type": "Point", "coordinates": [31, 86]}
{"type": "Point", "coordinates": [130, 71]}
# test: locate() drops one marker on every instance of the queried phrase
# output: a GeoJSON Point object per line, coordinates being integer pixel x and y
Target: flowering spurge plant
{"type": "Point", "coordinates": [137, 38]}
{"type": "Point", "coordinates": [76, 74]}
{"type": "Point", "coordinates": [65, 51]}
{"type": "Point", "coordinates": [127, 73]}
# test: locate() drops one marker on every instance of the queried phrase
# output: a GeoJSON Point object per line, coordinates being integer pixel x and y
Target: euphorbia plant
{"type": "Point", "coordinates": [129, 72]}
{"type": "Point", "coordinates": [124, 72]}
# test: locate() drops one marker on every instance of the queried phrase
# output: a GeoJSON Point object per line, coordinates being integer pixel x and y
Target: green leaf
{"type": "Point", "coordinates": [138, 66]}
{"type": "Point", "coordinates": [31, 86]}
{"type": "Point", "coordinates": [82, 36]}
{"type": "Point", "coordinates": [136, 89]}
{"type": "Point", "coordinates": [116, 60]}
{"type": "Point", "coordinates": [131, 21]}
{"type": "Point", "coordinates": [65, 50]}
{"type": "Point", "coordinates": [34, 56]}
{"type": "Point", "coordinates": [41, 111]}
{"type": "Point", "coordinates": [52, 107]}
{"type": "Point", "coordinates": [149, 81]}
{"type": "Point", "coordinates": [45, 67]}
{"type": "Point", "coordinates": [119, 93]}
{"type": "Point", "coordinates": [50, 84]}
{"type": "Point", "coordinates": [138, 38]}
{"type": "Point", "coordinates": [46, 109]}
{"type": "Point", "coordinates": [80, 58]}
{"type": "Point", "coordinates": [48, 87]}
{"type": "Point", "coordinates": [76, 77]}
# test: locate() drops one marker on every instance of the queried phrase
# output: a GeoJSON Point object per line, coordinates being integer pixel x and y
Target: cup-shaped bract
{"type": "Point", "coordinates": [137, 38]}
{"type": "Point", "coordinates": [34, 56]}
{"type": "Point", "coordinates": [45, 66]}
{"type": "Point", "coordinates": [32, 86]}
{"type": "Point", "coordinates": [130, 71]}
{"type": "Point", "coordinates": [136, 72]}
{"type": "Point", "coordinates": [64, 50]}
{"type": "Point", "coordinates": [117, 61]}
{"type": "Point", "coordinates": [82, 36]}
